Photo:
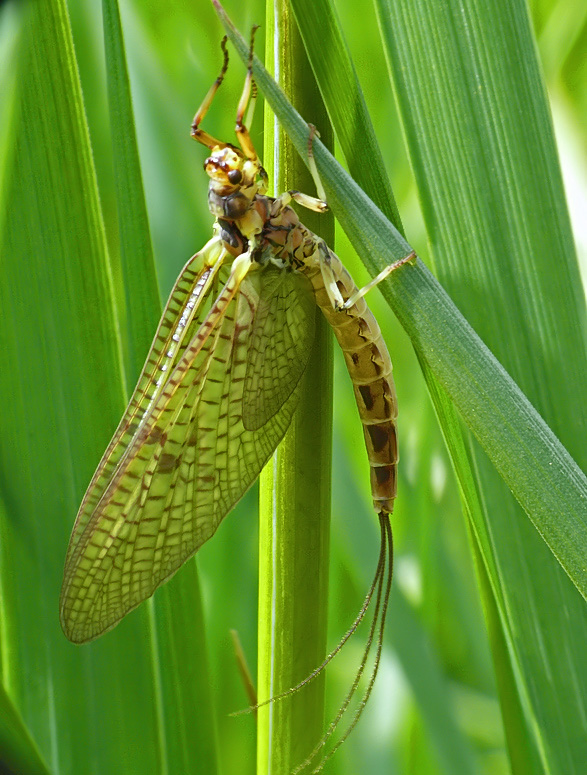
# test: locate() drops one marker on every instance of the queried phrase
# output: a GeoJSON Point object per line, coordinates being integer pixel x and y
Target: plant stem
{"type": "Point", "coordinates": [295, 485]}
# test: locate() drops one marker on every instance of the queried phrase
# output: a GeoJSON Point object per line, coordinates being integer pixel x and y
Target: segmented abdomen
{"type": "Point", "coordinates": [370, 369]}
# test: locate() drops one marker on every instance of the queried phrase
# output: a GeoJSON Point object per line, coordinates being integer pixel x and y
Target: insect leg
{"type": "Point", "coordinates": [410, 258]}
{"type": "Point", "coordinates": [330, 276]}
{"type": "Point", "coordinates": [249, 89]}
{"type": "Point", "coordinates": [329, 267]}
{"type": "Point", "coordinates": [317, 204]}
{"type": "Point", "coordinates": [309, 202]}
{"type": "Point", "coordinates": [197, 133]}
{"type": "Point", "coordinates": [312, 163]}
{"type": "Point", "coordinates": [252, 103]}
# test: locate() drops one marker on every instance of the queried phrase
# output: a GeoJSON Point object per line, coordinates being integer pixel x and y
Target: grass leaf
{"type": "Point", "coordinates": [481, 142]}
{"type": "Point", "coordinates": [112, 701]}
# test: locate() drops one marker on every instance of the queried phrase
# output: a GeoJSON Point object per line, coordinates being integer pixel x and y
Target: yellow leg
{"type": "Point", "coordinates": [318, 205]}
{"type": "Point", "coordinates": [197, 133]}
{"type": "Point", "coordinates": [329, 276]}
{"type": "Point", "coordinates": [410, 258]}
{"type": "Point", "coordinates": [309, 202]}
{"type": "Point", "coordinates": [249, 89]}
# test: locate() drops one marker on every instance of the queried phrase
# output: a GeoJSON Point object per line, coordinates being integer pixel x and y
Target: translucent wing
{"type": "Point", "coordinates": [281, 340]}
{"type": "Point", "coordinates": [180, 319]}
{"type": "Point", "coordinates": [190, 460]}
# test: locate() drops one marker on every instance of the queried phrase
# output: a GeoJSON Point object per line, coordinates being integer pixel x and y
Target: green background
{"type": "Point", "coordinates": [479, 674]}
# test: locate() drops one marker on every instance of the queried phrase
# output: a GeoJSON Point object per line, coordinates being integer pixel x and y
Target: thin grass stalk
{"type": "Point", "coordinates": [295, 486]}
{"type": "Point", "coordinates": [18, 751]}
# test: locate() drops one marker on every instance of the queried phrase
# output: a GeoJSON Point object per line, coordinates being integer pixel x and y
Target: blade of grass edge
{"type": "Point", "coordinates": [10, 32]}
{"type": "Point", "coordinates": [143, 306]}
{"type": "Point", "coordinates": [58, 332]}
{"type": "Point", "coordinates": [18, 753]}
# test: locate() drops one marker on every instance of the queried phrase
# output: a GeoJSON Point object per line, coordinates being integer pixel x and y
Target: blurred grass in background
{"type": "Point", "coordinates": [126, 704]}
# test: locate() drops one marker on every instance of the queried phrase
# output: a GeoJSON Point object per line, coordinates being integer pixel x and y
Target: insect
{"type": "Point", "coordinates": [219, 388]}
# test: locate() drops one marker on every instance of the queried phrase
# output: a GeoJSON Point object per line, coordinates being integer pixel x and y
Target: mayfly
{"type": "Point", "coordinates": [219, 387]}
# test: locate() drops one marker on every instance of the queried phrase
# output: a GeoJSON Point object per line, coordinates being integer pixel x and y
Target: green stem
{"type": "Point", "coordinates": [295, 486]}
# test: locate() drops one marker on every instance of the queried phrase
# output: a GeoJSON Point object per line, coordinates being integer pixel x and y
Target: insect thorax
{"type": "Point", "coordinates": [287, 241]}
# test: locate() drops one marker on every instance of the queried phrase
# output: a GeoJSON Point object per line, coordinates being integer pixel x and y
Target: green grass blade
{"type": "Point", "coordinates": [18, 753]}
{"type": "Point", "coordinates": [98, 706]}
{"type": "Point", "coordinates": [176, 644]}
{"type": "Point", "coordinates": [140, 280]}
{"type": "Point", "coordinates": [336, 75]}
{"type": "Point", "coordinates": [537, 468]}
{"type": "Point", "coordinates": [55, 273]}
{"type": "Point", "coordinates": [489, 182]}
{"type": "Point", "coordinates": [295, 486]}
{"type": "Point", "coordinates": [10, 27]}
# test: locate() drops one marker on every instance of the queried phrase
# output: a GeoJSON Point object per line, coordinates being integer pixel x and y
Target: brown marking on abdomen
{"type": "Point", "coordinates": [367, 360]}
{"type": "Point", "coordinates": [381, 441]}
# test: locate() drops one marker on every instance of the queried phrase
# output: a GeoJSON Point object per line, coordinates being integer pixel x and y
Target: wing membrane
{"type": "Point", "coordinates": [181, 317]}
{"type": "Point", "coordinates": [278, 354]}
{"type": "Point", "coordinates": [186, 466]}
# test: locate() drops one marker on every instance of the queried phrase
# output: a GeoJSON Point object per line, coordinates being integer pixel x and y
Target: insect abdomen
{"type": "Point", "coordinates": [370, 369]}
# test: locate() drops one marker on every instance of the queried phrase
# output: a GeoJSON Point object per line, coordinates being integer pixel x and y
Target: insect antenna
{"type": "Point", "coordinates": [375, 584]}
{"type": "Point", "coordinates": [386, 552]}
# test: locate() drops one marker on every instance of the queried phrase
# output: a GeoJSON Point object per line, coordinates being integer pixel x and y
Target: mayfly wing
{"type": "Point", "coordinates": [192, 458]}
{"type": "Point", "coordinates": [182, 313]}
{"type": "Point", "coordinates": [278, 354]}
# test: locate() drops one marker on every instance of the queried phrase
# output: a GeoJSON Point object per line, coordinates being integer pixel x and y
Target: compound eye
{"type": "Point", "coordinates": [235, 176]}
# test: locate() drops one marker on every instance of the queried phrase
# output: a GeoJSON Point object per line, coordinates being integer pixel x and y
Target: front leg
{"type": "Point", "coordinates": [317, 204]}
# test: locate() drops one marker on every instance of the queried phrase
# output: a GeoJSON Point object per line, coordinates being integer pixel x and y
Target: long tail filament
{"type": "Point", "coordinates": [383, 584]}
